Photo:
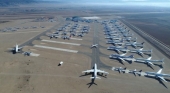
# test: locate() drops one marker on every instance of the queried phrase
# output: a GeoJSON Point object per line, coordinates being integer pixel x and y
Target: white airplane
{"type": "Point", "coordinates": [16, 49]}
{"type": "Point", "coordinates": [148, 61]}
{"type": "Point", "coordinates": [95, 71]}
{"type": "Point", "coordinates": [158, 75]}
{"type": "Point", "coordinates": [141, 51]}
{"type": "Point", "coordinates": [135, 72]}
{"type": "Point", "coordinates": [94, 46]}
{"type": "Point", "coordinates": [120, 69]}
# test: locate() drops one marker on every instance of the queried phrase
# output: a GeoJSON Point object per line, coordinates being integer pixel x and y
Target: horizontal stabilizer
{"type": "Point", "coordinates": [95, 77]}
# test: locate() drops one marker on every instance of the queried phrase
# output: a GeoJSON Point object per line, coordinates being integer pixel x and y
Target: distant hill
{"type": "Point", "coordinates": [14, 2]}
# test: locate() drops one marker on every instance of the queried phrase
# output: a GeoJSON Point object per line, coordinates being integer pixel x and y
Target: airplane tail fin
{"type": "Point", "coordinates": [125, 47]}
{"type": "Point", "coordinates": [140, 70]}
{"type": "Point", "coordinates": [142, 43]}
{"type": "Point", "coordinates": [159, 71]}
{"type": "Point", "coordinates": [149, 58]}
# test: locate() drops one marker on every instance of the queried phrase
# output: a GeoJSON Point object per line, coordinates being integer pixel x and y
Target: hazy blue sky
{"type": "Point", "coordinates": [113, 0]}
{"type": "Point", "coordinates": [162, 3]}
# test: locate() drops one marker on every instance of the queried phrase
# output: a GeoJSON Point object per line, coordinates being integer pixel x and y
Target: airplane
{"type": "Point", "coordinates": [120, 69]}
{"type": "Point", "coordinates": [158, 75]}
{"type": "Point", "coordinates": [53, 35]}
{"type": "Point", "coordinates": [95, 71]}
{"type": "Point", "coordinates": [94, 46]}
{"type": "Point", "coordinates": [64, 33]}
{"type": "Point", "coordinates": [80, 35]}
{"type": "Point", "coordinates": [108, 34]}
{"type": "Point", "coordinates": [118, 49]}
{"type": "Point", "coordinates": [111, 33]}
{"type": "Point", "coordinates": [27, 53]}
{"type": "Point", "coordinates": [129, 39]}
{"type": "Point", "coordinates": [135, 72]}
{"type": "Point", "coordinates": [148, 61]}
{"type": "Point", "coordinates": [141, 51]}
{"type": "Point", "coordinates": [57, 32]}
{"type": "Point", "coordinates": [66, 37]}
{"type": "Point", "coordinates": [135, 44]}
{"type": "Point", "coordinates": [16, 49]}
{"type": "Point", "coordinates": [84, 31]}
{"type": "Point", "coordinates": [114, 42]}
{"type": "Point", "coordinates": [127, 35]}
{"type": "Point", "coordinates": [73, 34]}
{"type": "Point", "coordinates": [113, 37]}
{"type": "Point", "coordinates": [122, 57]}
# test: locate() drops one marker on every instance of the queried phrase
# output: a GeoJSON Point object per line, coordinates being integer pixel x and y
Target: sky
{"type": "Point", "coordinates": [161, 3]}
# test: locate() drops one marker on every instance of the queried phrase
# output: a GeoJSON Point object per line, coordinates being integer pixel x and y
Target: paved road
{"type": "Point", "coordinates": [96, 51]}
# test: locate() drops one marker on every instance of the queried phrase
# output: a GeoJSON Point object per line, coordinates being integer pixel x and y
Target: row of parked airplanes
{"type": "Point", "coordinates": [120, 36]}
{"type": "Point", "coordinates": [73, 31]}
{"type": "Point", "coordinates": [85, 29]}
{"type": "Point", "coordinates": [114, 37]}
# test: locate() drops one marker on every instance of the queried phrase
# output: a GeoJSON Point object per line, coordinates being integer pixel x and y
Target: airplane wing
{"type": "Point", "coordinates": [141, 53]}
{"type": "Point", "coordinates": [20, 47]}
{"type": "Point", "coordinates": [117, 50]}
{"type": "Point", "coordinates": [123, 54]}
{"type": "Point", "coordinates": [162, 78]}
{"type": "Point", "coordinates": [150, 63]}
{"type": "Point", "coordinates": [101, 71]}
{"type": "Point", "coordinates": [121, 59]}
{"type": "Point", "coordinates": [92, 70]}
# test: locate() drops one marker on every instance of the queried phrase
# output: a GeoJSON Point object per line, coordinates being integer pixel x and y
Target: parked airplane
{"type": "Point", "coordinates": [27, 53]}
{"type": "Point", "coordinates": [113, 37]}
{"type": "Point", "coordinates": [141, 51]}
{"type": "Point", "coordinates": [66, 37]}
{"type": "Point", "coordinates": [120, 69]}
{"type": "Point", "coordinates": [114, 42]}
{"type": "Point", "coordinates": [158, 75]}
{"type": "Point", "coordinates": [118, 49]}
{"type": "Point", "coordinates": [53, 36]}
{"type": "Point", "coordinates": [148, 61]}
{"type": "Point", "coordinates": [95, 71]}
{"type": "Point", "coordinates": [16, 49]}
{"type": "Point", "coordinates": [94, 46]}
{"type": "Point", "coordinates": [135, 72]}
{"type": "Point", "coordinates": [122, 57]}
{"type": "Point", "coordinates": [127, 35]}
{"type": "Point", "coordinates": [135, 44]}
{"type": "Point", "coordinates": [80, 35]}
{"type": "Point", "coordinates": [129, 39]}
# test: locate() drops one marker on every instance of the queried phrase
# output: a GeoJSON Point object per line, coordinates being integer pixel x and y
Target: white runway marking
{"type": "Point", "coordinates": [61, 42]}
{"type": "Point", "coordinates": [18, 32]}
{"type": "Point", "coordinates": [54, 48]}
{"type": "Point", "coordinates": [76, 39]}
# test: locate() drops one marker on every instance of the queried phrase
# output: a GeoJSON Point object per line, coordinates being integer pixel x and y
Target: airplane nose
{"type": "Point", "coordinates": [110, 56]}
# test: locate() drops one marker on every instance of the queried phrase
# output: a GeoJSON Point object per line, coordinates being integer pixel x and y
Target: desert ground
{"type": "Point", "coordinates": [41, 73]}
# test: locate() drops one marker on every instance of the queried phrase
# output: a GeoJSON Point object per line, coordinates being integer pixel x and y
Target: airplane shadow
{"type": "Point", "coordinates": [150, 66]}
{"type": "Point", "coordinates": [92, 80]}
{"type": "Point", "coordinates": [120, 61]}
{"type": "Point", "coordinates": [91, 83]}
{"type": "Point", "coordinates": [160, 81]}
{"type": "Point", "coordinates": [159, 65]}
